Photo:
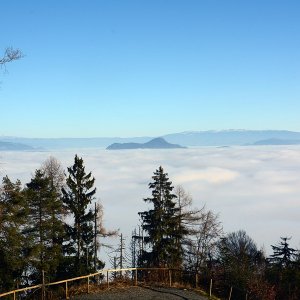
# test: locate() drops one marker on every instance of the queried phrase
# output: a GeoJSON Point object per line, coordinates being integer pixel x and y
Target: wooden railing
{"type": "Point", "coordinates": [104, 273]}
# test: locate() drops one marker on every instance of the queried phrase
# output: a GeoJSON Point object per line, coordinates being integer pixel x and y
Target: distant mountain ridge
{"type": "Point", "coordinates": [277, 142]}
{"type": "Point", "coordinates": [9, 146]}
{"type": "Point", "coordinates": [63, 143]}
{"type": "Point", "coordinates": [229, 137]}
{"type": "Point", "coordinates": [157, 143]}
{"type": "Point", "coordinates": [187, 139]}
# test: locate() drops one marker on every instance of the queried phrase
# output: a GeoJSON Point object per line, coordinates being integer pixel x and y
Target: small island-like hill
{"type": "Point", "coordinates": [157, 143]}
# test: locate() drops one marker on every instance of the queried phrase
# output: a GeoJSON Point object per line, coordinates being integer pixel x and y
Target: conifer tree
{"type": "Point", "coordinates": [77, 197]}
{"type": "Point", "coordinates": [45, 228]}
{"type": "Point", "coordinates": [283, 255]}
{"type": "Point", "coordinates": [162, 225]}
{"type": "Point", "coordinates": [13, 217]}
{"type": "Point", "coordinates": [284, 271]}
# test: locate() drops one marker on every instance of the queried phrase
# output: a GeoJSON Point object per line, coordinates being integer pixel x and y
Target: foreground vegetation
{"type": "Point", "coordinates": [52, 225]}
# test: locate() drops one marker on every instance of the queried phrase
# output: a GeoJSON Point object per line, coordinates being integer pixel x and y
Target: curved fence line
{"type": "Point", "coordinates": [102, 272]}
{"type": "Point", "coordinates": [167, 276]}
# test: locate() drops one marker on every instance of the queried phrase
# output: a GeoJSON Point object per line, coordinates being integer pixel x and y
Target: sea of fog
{"type": "Point", "coordinates": [252, 188]}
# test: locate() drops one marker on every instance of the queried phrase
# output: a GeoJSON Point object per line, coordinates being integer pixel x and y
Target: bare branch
{"type": "Point", "coordinates": [10, 55]}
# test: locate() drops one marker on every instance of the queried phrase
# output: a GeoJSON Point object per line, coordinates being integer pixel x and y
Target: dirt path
{"type": "Point", "coordinates": [144, 293]}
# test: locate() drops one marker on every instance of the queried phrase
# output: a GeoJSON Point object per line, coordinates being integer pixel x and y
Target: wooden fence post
{"type": "Point", "coordinates": [230, 293]}
{"type": "Point", "coordinates": [135, 272]}
{"type": "Point", "coordinates": [107, 279]}
{"type": "Point", "coordinates": [43, 285]}
{"type": "Point", "coordinates": [67, 297]}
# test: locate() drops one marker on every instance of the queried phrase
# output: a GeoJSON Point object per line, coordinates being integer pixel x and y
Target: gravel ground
{"type": "Point", "coordinates": [145, 293]}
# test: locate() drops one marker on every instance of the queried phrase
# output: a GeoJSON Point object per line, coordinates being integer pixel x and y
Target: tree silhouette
{"type": "Point", "coordinates": [77, 196]}
{"type": "Point", "coordinates": [162, 225]}
{"type": "Point", "coordinates": [45, 228]}
{"type": "Point", "coordinates": [283, 255]}
{"type": "Point", "coordinates": [13, 218]}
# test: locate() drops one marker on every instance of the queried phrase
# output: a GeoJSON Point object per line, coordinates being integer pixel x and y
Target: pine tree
{"type": "Point", "coordinates": [45, 228]}
{"type": "Point", "coordinates": [283, 255]}
{"type": "Point", "coordinates": [162, 225]}
{"type": "Point", "coordinates": [77, 196]}
{"type": "Point", "coordinates": [283, 270]}
{"type": "Point", "coordinates": [13, 217]}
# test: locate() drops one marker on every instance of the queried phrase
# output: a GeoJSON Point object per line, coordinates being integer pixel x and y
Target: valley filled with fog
{"type": "Point", "coordinates": [254, 188]}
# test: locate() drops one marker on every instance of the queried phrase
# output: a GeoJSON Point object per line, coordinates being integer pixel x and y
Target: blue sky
{"type": "Point", "coordinates": [135, 68]}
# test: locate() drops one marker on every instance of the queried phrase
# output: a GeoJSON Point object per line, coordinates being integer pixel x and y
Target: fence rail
{"type": "Point", "coordinates": [104, 273]}
{"type": "Point", "coordinates": [139, 276]}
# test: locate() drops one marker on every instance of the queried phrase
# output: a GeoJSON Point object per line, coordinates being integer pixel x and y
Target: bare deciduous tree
{"type": "Point", "coordinates": [204, 229]}
{"type": "Point", "coordinates": [189, 216]}
{"type": "Point", "coordinates": [203, 244]}
{"type": "Point", "coordinates": [100, 231]}
{"type": "Point", "coordinates": [184, 199]}
{"type": "Point", "coordinates": [52, 168]}
{"type": "Point", "coordinates": [10, 54]}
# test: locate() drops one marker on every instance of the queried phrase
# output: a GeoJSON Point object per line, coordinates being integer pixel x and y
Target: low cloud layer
{"type": "Point", "coordinates": [252, 188]}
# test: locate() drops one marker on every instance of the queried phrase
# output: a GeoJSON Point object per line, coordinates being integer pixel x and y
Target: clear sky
{"type": "Point", "coordinates": [135, 68]}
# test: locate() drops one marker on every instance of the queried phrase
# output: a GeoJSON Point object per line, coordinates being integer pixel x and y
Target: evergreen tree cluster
{"type": "Point", "coordinates": [174, 235]}
{"type": "Point", "coordinates": [49, 227]}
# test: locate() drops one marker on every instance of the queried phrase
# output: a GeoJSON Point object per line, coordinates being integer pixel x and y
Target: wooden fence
{"type": "Point", "coordinates": [136, 274]}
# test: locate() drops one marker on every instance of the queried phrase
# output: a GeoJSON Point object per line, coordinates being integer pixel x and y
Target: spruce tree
{"type": "Point", "coordinates": [77, 197]}
{"type": "Point", "coordinates": [283, 255]}
{"type": "Point", "coordinates": [13, 217]}
{"type": "Point", "coordinates": [45, 228]}
{"type": "Point", "coordinates": [283, 270]}
{"type": "Point", "coordinates": [162, 224]}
